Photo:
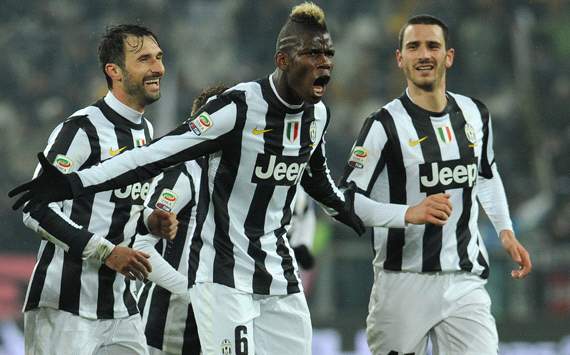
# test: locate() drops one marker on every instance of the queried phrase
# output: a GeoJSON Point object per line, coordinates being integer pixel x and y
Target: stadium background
{"type": "Point", "coordinates": [511, 54]}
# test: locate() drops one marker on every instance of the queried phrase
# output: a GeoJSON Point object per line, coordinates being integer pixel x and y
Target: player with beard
{"type": "Point", "coordinates": [79, 299]}
{"type": "Point", "coordinates": [262, 138]}
{"type": "Point", "coordinates": [434, 146]}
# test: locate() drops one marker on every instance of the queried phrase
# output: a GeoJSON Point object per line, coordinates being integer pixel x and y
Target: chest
{"type": "Point", "coordinates": [276, 146]}
{"type": "Point", "coordinates": [441, 153]}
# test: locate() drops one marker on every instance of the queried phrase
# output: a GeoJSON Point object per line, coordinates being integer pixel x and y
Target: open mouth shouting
{"type": "Point", "coordinates": [320, 85]}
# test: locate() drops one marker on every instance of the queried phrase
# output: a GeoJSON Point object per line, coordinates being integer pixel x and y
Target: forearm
{"type": "Point", "coordinates": [163, 274]}
{"type": "Point", "coordinates": [377, 214]}
{"type": "Point", "coordinates": [492, 196]}
{"type": "Point", "coordinates": [53, 225]}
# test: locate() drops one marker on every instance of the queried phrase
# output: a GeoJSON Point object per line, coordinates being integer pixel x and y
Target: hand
{"type": "Point", "coordinates": [434, 209]}
{"type": "Point", "coordinates": [50, 185]}
{"type": "Point", "coordinates": [347, 215]}
{"type": "Point", "coordinates": [304, 257]}
{"type": "Point", "coordinates": [163, 224]}
{"type": "Point", "coordinates": [133, 264]}
{"type": "Point", "coordinates": [517, 252]}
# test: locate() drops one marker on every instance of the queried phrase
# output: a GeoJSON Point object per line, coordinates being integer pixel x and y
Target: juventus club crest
{"type": "Point", "coordinates": [470, 133]}
{"type": "Point", "coordinates": [313, 132]}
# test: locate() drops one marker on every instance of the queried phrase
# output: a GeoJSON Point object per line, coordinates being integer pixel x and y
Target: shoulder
{"type": "Point", "coordinates": [83, 115]}
{"type": "Point", "coordinates": [468, 103]}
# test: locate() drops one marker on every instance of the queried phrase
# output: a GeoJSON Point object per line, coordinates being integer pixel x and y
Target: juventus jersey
{"type": "Point", "coordinates": [61, 279]}
{"type": "Point", "coordinates": [405, 153]}
{"type": "Point", "coordinates": [260, 149]}
{"type": "Point", "coordinates": [169, 319]}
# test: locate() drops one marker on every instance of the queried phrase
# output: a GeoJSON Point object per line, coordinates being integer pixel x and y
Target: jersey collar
{"type": "Point", "coordinates": [122, 109]}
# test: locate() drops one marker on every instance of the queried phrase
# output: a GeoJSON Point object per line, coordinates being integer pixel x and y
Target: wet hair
{"type": "Point", "coordinates": [112, 45]}
{"type": "Point", "coordinates": [306, 17]}
{"type": "Point", "coordinates": [203, 97]}
{"type": "Point", "coordinates": [425, 20]}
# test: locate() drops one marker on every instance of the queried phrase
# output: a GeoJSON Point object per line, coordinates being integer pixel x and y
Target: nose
{"type": "Point", "coordinates": [158, 67]}
{"type": "Point", "coordinates": [324, 62]}
{"type": "Point", "coordinates": [423, 52]}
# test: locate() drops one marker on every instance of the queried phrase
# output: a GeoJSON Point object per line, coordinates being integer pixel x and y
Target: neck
{"type": "Point", "coordinates": [283, 89]}
{"type": "Point", "coordinates": [128, 100]}
{"type": "Point", "coordinates": [434, 101]}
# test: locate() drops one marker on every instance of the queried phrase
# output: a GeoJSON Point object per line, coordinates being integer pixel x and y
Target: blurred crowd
{"type": "Point", "coordinates": [513, 55]}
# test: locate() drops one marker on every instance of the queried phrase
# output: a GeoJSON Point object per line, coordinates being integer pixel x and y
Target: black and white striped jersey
{"type": "Point", "coordinates": [260, 149]}
{"type": "Point", "coordinates": [61, 278]}
{"type": "Point", "coordinates": [168, 318]}
{"type": "Point", "coordinates": [405, 153]}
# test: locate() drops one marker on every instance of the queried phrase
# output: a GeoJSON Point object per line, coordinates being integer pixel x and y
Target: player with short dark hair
{"type": "Point", "coordinates": [432, 148]}
{"type": "Point", "coordinates": [78, 300]}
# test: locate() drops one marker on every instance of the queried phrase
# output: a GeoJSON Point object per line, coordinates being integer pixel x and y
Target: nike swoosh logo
{"type": "Point", "coordinates": [113, 152]}
{"type": "Point", "coordinates": [257, 132]}
{"type": "Point", "coordinates": [413, 143]}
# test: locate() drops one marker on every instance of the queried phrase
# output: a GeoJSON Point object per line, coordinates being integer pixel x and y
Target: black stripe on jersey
{"type": "Point", "coordinates": [191, 342]}
{"type": "Point", "coordinates": [255, 219]}
{"type": "Point", "coordinates": [143, 296]}
{"type": "Point", "coordinates": [148, 136]}
{"type": "Point", "coordinates": [201, 213]}
{"type": "Point", "coordinates": [39, 277]}
{"type": "Point", "coordinates": [359, 142]}
{"type": "Point", "coordinates": [397, 181]}
{"type": "Point", "coordinates": [128, 298]}
{"type": "Point", "coordinates": [282, 250]}
{"type": "Point", "coordinates": [156, 319]}
{"type": "Point", "coordinates": [121, 215]}
{"type": "Point", "coordinates": [462, 232]}
{"type": "Point", "coordinates": [432, 238]}
{"type": "Point", "coordinates": [223, 185]}
{"type": "Point", "coordinates": [485, 169]}
{"type": "Point", "coordinates": [481, 260]}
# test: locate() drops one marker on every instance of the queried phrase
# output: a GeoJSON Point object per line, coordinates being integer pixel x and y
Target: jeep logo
{"type": "Point", "coordinates": [282, 170]}
{"type": "Point", "coordinates": [135, 191]}
{"type": "Point", "coordinates": [446, 175]}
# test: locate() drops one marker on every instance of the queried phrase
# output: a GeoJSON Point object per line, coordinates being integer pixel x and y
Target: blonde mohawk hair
{"type": "Point", "coordinates": [308, 12]}
{"type": "Point", "coordinates": [306, 17]}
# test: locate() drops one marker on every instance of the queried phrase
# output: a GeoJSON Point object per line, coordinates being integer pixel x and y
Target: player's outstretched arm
{"type": "Point", "coordinates": [50, 185]}
{"type": "Point", "coordinates": [133, 264]}
{"type": "Point", "coordinates": [517, 252]}
{"type": "Point", "coordinates": [434, 209]}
